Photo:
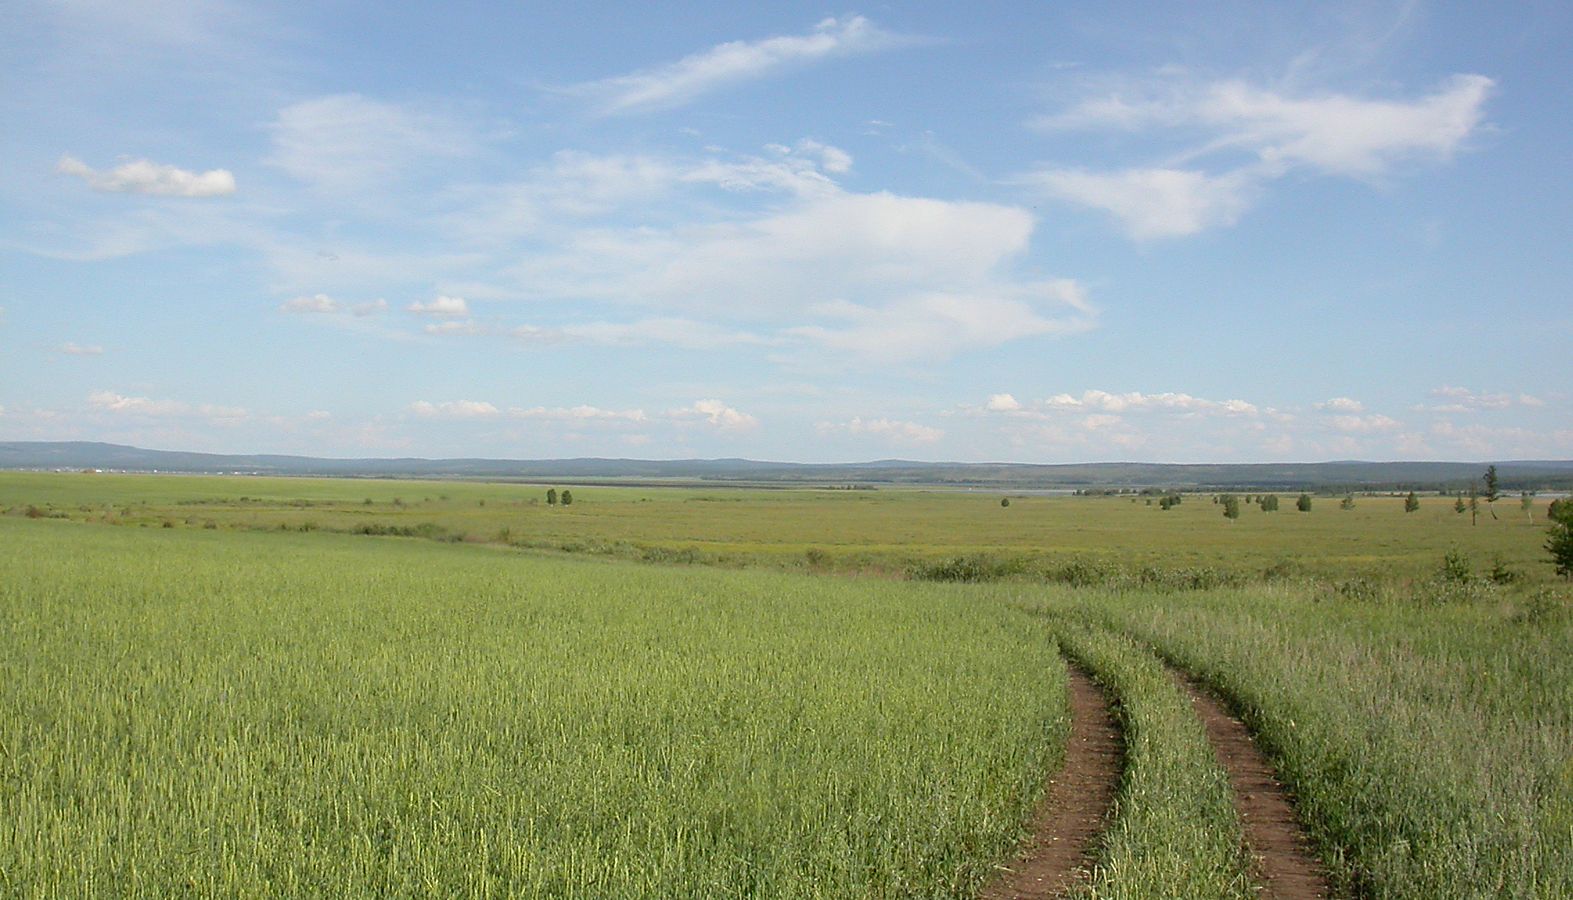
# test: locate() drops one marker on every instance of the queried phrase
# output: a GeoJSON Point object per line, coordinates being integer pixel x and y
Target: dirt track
{"type": "Point", "coordinates": [1067, 822]}
{"type": "Point", "coordinates": [1282, 855]}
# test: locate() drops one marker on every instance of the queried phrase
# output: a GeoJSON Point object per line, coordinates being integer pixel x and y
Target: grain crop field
{"type": "Point", "coordinates": [237, 687]}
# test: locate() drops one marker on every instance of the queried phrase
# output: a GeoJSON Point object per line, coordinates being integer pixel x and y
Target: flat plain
{"type": "Point", "coordinates": [246, 687]}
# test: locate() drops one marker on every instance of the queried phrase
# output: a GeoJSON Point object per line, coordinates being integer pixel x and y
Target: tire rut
{"type": "Point", "coordinates": [1281, 853]}
{"type": "Point", "coordinates": [1066, 824]}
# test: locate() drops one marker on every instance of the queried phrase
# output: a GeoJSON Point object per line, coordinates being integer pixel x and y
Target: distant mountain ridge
{"type": "Point", "coordinates": [1515, 475]}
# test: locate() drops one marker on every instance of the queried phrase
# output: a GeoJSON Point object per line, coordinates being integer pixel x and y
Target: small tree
{"type": "Point", "coordinates": [1004, 501]}
{"type": "Point", "coordinates": [551, 496]}
{"type": "Point", "coordinates": [1411, 503]}
{"type": "Point", "coordinates": [567, 496]}
{"type": "Point", "coordinates": [1304, 503]}
{"type": "Point", "coordinates": [1560, 542]}
{"type": "Point", "coordinates": [1492, 493]}
{"type": "Point", "coordinates": [1348, 502]}
{"type": "Point", "coordinates": [1474, 504]}
{"type": "Point", "coordinates": [1268, 502]}
{"type": "Point", "coordinates": [1458, 505]}
{"type": "Point", "coordinates": [1526, 502]}
{"type": "Point", "coordinates": [1231, 507]}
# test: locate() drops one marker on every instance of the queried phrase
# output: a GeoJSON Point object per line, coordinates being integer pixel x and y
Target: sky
{"type": "Point", "coordinates": [1031, 232]}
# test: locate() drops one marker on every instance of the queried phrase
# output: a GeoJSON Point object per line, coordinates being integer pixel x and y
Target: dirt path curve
{"type": "Point", "coordinates": [1283, 859]}
{"type": "Point", "coordinates": [1059, 853]}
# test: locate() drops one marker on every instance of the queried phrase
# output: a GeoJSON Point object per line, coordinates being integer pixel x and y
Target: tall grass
{"type": "Point", "coordinates": [238, 714]}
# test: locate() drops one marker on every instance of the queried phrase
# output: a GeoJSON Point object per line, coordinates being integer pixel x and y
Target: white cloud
{"type": "Point", "coordinates": [454, 409]}
{"type": "Point", "coordinates": [1341, 405]}
{"type": "Point", "coordinates": [108, 401]}
{"type": "Point", "coordinates": [726, 64]}
{"type": "Point", "coordinates": [1154, 203]}
{"type": "Point", "coordinates": [441, 307]}
{"type": "Point", "coordinates": [930, 276]}
{"type": "Point", "coordinates": [891, 429]}
{"type": "Point", "coordinates": [579, 414]}
{"type": "Point", "coordinates": [1105, 402]}
{"type": "Point", "coordinates": [1366, 424]}
{"type": "Point", "coordinates": [718, 414]}
{"type": "Point", "coordinates": [1464, 400]}
{"type": "Point", "coordinates": [1002, 403]}
{"type": "Point", "coordinates": [347, 141]}
{"type": "Point", "coordinates": [1332, 134]}
{"type": "Point", "coordinates": [71, 348]}
{"type": "Point", "coordinates": [141, 176]}
{"type": "Point", "coordinates": [322, 304]}
{"type": "Point", "coordinates": [452, 327]}
{"type": "Point", "coordinates": [937, 326]}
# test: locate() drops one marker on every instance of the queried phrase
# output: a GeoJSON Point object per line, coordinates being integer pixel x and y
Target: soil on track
{"type": "Point", "coordinates": [1073, 811]}
{"type": "Point", "coordinates": [1280, 850]}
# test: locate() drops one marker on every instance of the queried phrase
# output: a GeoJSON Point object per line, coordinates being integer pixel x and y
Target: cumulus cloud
{"type": "Point", "coordinates": [441, 307]}
{"type": "Point", "coordinates": [454, 409]}
{"type": "Point", "coordinates": [931, 276]}
{"type": "Point", "coordinates": [718, 414]}
{"type": "Point", "coordinates": [1330, 134]}
{"type": "Point", "coordinates": [1002, 403]}
{"type": "Point", "coordinates": [322, 304]}
{"type": "Point", "coordinates": [1341, 405]}
{"type": "Point", "coordinates": [71, 348]}
{"type": "Point", "coordinates": [723, 65]}
{"type": "Point", "coordinates": [142, 176]}
{"type": "Point", "coordinates": [891, 429]}
{"type": "Point", "coordinates": [936, 326]}
{"type": "Point", "coordinates": [120, 404]}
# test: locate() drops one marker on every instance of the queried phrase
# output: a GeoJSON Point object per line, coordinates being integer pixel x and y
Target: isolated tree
{"type": "Point", "coordinates": [1348, 502]}
{"type": "Point", "coordinates": [1411, 502]}
{"type": "Point", "coordinates": [567, 496]}
{"type": "Point", "coordinates": [1560, 542]}
{"type": "Point", "coordinates": [1491, 490]}
{"type": "Point", "coordinates": [1231, 507]}
{"type": "Point", "coordinates": [1004, 501]}
{"type": "Point", "coordinates": [1458, 505]}
{"type": "Point", "coordinates": [1268, 502]}
{"type": "Point", "coordinates": [1304, 503]}
{"type": "Point", "coordinates": [1474, 504]}
{"type": "Point", "coordinates": [551, 496]}
{"type": "Point", "coordinates": [1526, 502]}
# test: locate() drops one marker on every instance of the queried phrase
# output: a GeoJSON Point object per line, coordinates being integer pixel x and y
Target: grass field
{"type": "Point", "coordinates": [265, 715]}
{"type": "Point", "coordinates": [825, 529]}
{"type": "Point", "coordinates": [263, 699]}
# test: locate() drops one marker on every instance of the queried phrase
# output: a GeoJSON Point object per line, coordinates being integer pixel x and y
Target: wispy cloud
{"type": "Point", "coordinates": [1253, 136]}
{"type": "Point", "coordinates": [72, 348]}
{"type": "Point", "coordinates": [141, 176]}
{"type": "Point", "coordinates": [723, 65]}
{"type": "Point", "coordinates": [346, 142]}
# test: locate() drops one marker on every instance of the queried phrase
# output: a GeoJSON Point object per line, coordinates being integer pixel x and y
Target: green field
{"type": "Point", "coordinates": [886, 530]}
{"type": "Point", "coordinates": [264, 699]}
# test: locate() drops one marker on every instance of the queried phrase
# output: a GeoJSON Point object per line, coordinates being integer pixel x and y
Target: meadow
{"type": "Point", "coordinates": [253, 687]}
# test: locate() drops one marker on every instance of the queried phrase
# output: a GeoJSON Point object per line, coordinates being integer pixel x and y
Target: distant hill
{"type": "Point", "coordinates": [1345, 475]}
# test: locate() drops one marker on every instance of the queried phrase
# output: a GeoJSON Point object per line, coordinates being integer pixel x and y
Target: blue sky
{"type": "Point", "coordinates": [990, 231]}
